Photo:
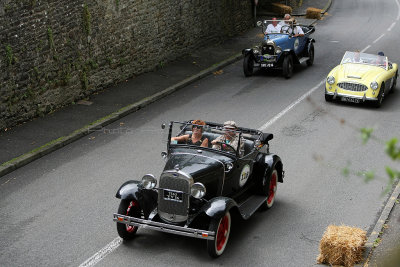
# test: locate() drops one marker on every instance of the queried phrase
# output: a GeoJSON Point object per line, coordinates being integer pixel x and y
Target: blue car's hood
{"type": "Point", "coordinates": [278, 39]}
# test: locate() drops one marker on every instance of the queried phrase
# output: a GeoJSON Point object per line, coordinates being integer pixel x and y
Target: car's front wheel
{"type": "Point", "coordinates": [129, 208]}
{"type": "Point", "coordinates": [381, 96]}
{"type": "Point", "coordinates": [269, 188]}
{"type": "Point", "coordinates": [328, 98]}
{"type": "Point", "coordinates": [288, 66]}
{"type": "Point", "coordinates": [310, 61]}
{"type": "Point", "coordinates": [248, 65]}
{"type": "Point", "coordinates": [394, 83]}
{"type": "Point", "coordinates": [222, 229]}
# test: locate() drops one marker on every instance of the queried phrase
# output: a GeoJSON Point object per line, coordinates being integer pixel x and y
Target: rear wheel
{"type": "Point", "coordinates": [248, 65]}
{"type": "Point", "coordinates": [269, 188]}
{"type": "Point", "coordinates": [288, 66]}
{"type": "Point", "coordinates": [222, 229]}
{"type": "Point", "coordinates": [310, 61]}
{"type": "Point", "coordinates": [129, 208]}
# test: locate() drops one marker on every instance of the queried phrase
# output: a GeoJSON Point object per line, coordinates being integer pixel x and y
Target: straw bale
{"type": "Point", "coordinates": [313, 13]}
{"type": "Point", "coordinates": [342, 245]}
{"type": "Point", "coordinates": [281, 9]}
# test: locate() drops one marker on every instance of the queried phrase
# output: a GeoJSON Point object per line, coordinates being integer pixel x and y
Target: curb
{"type": "Point", "coordinates": [369, 245]}
{"type": "Point", "coordinates": [53, 145]}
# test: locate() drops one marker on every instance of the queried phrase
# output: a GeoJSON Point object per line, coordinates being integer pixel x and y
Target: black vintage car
{"type": "Point", "coordinates": [201, 187]}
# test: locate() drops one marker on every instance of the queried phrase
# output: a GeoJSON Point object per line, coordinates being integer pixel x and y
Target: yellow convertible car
{"type": "Point", "coordinates": [361, 77]}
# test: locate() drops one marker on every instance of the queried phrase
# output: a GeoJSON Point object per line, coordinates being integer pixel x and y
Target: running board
{"type": "Point", "coordinates": [251, 205]}
{"type": "Point", "coordinates": [303, 59]}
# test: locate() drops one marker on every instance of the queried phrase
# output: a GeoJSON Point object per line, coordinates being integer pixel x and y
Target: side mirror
{"type": "Point", "coordinates": [163, 126]}
{"type": "Point", "coordinates": [164, 155]}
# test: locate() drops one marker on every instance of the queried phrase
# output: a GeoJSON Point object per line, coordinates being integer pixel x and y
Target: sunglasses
{"type": "Point", "coordinates": [197, 126]}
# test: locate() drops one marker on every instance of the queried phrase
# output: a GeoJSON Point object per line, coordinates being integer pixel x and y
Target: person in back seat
{"type": "Point", "coordinates": [229, 137]}
{"type": "Point", "coordinates": [196, 138]}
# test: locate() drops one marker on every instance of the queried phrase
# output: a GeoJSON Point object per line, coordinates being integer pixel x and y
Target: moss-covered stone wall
{"type": "Point", "coordinates": [55, 52]}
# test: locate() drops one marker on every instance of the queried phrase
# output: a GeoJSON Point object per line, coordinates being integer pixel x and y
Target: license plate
{"type": "Point", "coordinates": [350, 99]}
{"type": "Point", "coordinates": [173, 195]}
{"type": "Point", "coordinates": [265, 65]}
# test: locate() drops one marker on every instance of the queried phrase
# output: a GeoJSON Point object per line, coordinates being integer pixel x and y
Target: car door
{"type": "Point", "coordinates": [299, 45]}
{"type": "Point", "coordinates": [240, 173]}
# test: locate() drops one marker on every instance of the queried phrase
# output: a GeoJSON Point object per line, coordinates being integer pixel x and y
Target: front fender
{"type": "Point", "coordinates": [218, 206]}
{"type": "Point", "coordinates": [132, 190]}
{"type": "Point", "coordinates": [271, 161]}
{"type": "Point", "coordinates": [247, 51]}
{"type": "Point", "coordinates": [128, 190]}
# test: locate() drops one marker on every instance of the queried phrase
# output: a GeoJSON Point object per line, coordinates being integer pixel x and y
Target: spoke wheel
{"type": "Point", "coordinates": [394, 83]}
{"type": "Point", "coordinates": [222, 229]}
{"type": "Point", "coordinates": [270, 186]}
{"type": "Point", "coordinates": [129, 208]}
{"type": "Point", "coordinates": [381, 96]}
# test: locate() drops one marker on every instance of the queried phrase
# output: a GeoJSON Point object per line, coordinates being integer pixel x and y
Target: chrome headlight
{"type": "Point", "coordinates": [374, 85]}
{"type": "Point", "coordinates": [255, 51]}
{"type": "Point", "coordinates": [330, 80]}
{"type": "Point", "coordinates": [259, 23]}
{"type": "Point", "coordinates": [149, 181]}
{"type": "Point", "coordinates": [198, 190]}
{"type": "Point", "coordinates": [278, 50]}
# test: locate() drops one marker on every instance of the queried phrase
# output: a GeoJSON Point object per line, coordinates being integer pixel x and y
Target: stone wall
{"type": "Point", "coordinates": [55, 52]}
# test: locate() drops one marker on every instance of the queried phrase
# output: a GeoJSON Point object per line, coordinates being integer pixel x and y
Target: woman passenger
{"type": "Point", "coordinates": [196, 137]}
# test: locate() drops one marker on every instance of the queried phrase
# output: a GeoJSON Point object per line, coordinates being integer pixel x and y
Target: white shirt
{"type": "Point", "coordinates": [288, 29]}
{"type": "Point", "coordinates": [273, 29]}
{"type": "Point", "coordinates": [298, 30]}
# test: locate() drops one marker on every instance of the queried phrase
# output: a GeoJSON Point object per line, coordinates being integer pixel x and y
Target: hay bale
{"type": "Point", "coordinates": [342, 245]}
{"type": "Point", "coordinates": [281, 9]}
{"type": "Point", "coordinates": [313, 13]}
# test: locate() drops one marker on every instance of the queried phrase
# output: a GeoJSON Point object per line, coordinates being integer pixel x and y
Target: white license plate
{"type": "Point", "coordinates": [173, 195]}
{"type": "Point", "coordinates": [265, 65]}
{"type": "Point", "coordinates": [350, 99]}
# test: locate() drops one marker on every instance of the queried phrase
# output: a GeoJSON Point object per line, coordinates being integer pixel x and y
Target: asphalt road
{"type": "Point", "coordinates": [57, 211]}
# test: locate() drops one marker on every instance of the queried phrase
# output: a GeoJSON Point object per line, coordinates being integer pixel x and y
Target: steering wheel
{"type": "Point", "coordinates": [226, 147]}
{"type": "Point", "coordinates": [285, 29]}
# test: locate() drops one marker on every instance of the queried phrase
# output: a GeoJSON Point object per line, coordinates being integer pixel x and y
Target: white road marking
{"type": "Point", "coordinates": [102, 253]}
{"type": "Point", "coordinates": [334, 41]}
{"type": "Point", "coordinates": [288, 108]}
{"type": "Point", "coordinates": [391, 26]}
{"type": "Point", "coordinates": [365, 49]}
{"type": "Point", "coordinates": [377, 39]}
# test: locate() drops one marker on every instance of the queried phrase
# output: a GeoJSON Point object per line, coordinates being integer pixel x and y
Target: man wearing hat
{"type": "Point", "coordinates": [229, 137]}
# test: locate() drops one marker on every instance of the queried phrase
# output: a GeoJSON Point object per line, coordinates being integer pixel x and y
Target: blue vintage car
{"type": "Point", "coordinates": [281, 48]}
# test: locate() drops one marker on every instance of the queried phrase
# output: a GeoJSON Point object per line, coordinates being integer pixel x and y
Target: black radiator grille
{"type": "Point", "coordinates": [355, 87]}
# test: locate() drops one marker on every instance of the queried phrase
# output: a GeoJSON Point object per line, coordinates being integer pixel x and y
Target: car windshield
{"type": "Point", "coordinates": [211, 131]}
{"type": "Point", "coordinates": [366, 59]}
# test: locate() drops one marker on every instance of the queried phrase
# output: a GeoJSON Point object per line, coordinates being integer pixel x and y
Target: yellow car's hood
{"type": "Point", "coordinates": [358, 72]}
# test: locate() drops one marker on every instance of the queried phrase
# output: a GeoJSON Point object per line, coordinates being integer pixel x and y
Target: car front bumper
{"type": "Point", "coordinates": [362, 98]}
{"type": "Point", "coordinates": [164, 227]}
